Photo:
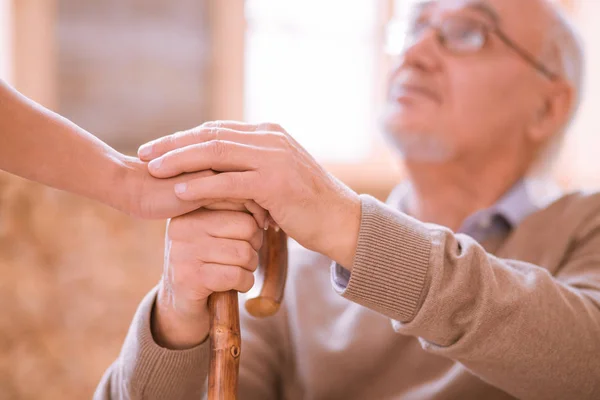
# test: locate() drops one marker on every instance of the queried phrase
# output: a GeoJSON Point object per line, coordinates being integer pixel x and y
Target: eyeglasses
{"type": "Point", "coordinates": [463, 35]}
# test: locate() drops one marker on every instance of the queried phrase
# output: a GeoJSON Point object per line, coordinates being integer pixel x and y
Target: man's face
{"type": "Point", "coordinates": [443, 105]}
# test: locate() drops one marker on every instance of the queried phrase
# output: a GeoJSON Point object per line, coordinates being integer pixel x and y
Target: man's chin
{"type": "Point", "coordinates": [421, 148]}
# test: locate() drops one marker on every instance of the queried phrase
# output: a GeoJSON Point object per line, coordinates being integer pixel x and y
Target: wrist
{"type": "Point", "coordinates": [341, 233]}
{"type": "Point", "coordinates": [126, 184]}
{"type": "Point", "coordinates": [112, 184]}
{"type": "Point", "coordinates": [174, 331]}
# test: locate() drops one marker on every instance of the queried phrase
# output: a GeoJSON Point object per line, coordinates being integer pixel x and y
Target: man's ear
{"type": "Point", "coordinates": [554, 111]}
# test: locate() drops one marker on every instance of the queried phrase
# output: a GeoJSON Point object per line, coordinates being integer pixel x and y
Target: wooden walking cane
{"type": "Point", "coordinates": [225, 337]}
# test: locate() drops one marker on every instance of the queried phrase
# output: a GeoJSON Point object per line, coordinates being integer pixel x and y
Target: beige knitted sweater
{"type": "Point", "coordinates": [427, 314]}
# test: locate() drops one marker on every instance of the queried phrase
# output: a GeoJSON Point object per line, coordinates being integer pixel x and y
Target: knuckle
{"type": "Point", "coordinates": [247, 284]}
{"type": "Point", "coordinates": [178, 227]}
{"type": "Point", "coordinates": [233, 276]}
{"type": "Point", "coordinates": [207, 278]}
{"type": "Point", "coordinates": [211, 124]}
{"type": "Point", "coordinates": [247, 226]}
{"type": "Point", "coordinates": [233, 250]}
{"type": "Point", "coordinates": [206, 133]}
{"type": "Point", "coordinates": [253, 265]}
{"type": "Point", "coordinates": [240, 276]}
{"type": "Point", "coordinates": [271, 126]}
{"type": "Point", "coordinates": [280, 138]}
{"type": "Point", "coordinates": [169, 141]}
{"type": "Point", "coordinates": [257, 239]}
{"type": "Point", "coordinates": [196, 134]}
{"type": "Point", "coordinates": [218, 148]}
{"type": "Point", "coordinates": [178, 135]}
{"type": "Point", "coordinates": [232, 180]}
{"type": "Point", "coordinates": [247, 254]}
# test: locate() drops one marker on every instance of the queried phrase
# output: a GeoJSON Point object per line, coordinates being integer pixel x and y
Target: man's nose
{"type": "Point", "coordinates": [422, 53]}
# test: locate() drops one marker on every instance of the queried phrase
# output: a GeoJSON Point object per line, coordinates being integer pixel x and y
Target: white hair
{"type": "Point", "coordinates": [564, 55]}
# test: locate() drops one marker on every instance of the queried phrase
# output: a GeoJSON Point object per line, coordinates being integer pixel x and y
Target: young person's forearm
{"type": "Point", "coordinates": [40, 145]}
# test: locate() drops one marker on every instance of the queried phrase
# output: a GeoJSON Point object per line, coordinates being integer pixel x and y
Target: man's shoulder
{"type": "Point", "coordinates": [585, 203]}
{"type": "Point", "coordinates": [575, 213]}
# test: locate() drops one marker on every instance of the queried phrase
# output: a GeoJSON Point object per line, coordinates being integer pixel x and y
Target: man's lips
{"type": "Point", "coordinates": [406, 91]}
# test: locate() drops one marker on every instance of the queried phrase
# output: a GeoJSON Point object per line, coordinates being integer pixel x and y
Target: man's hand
{"type": "Point", "coordinates": [152, 198]}
{"type": "Point", "coordinates": [205, 251]}
{"type": "Point", "coordinates": [265, 164]}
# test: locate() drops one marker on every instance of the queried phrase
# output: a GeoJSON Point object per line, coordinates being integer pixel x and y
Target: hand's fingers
{"type": "Point", "coordinates": [217, 224]}
{"type": "Point", "coordinates": [244, 126]}
{"type": "Point", "coordinates": [236, 125]}
{"type": "Point", "coordinates": [220, 278]}
{"type": "Point", "coordinates": [187, 281]}
{"type": "Point", "coordinates": [154, 198]}
{"type": "Point", "coordinates": [260, 214]}
{"type": "Point", "coordinates": [225, 205]}
{"type": "Point", "coordinates": [271, 223]}
{"type": "Point", "coordinates": [210, 250]}
{"type": "Point", "coordinates": [202, 134]}
{"type": "Point", "coordinates": [237, 185]}
{"type": "Point", "coordinates": [231, 225]}
{"type": "Point", "coordinates": [216, 155]}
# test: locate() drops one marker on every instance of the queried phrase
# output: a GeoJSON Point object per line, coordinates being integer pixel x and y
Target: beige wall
{"type": "Point", "coordinates": [6, 40]}
{"type": "Point", "coordinates": [581, 159]}
{"type": "Point", "coordinates": [133, 70]}
{"type": "Point", "coordinates": [32, 49]}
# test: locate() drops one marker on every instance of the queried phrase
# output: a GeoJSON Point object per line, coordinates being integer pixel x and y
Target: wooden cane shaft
{"type": "Point", "coordinates": [225, 336]}
{"type": "Point", "coordinates": [225, 345]}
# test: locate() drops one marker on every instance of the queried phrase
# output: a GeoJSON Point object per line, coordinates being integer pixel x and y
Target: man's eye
{"type": "Point", "coordinates": [465, 33]}
{"type": "Point", "coordinates": [471, 36]}
{"type": "Point", "coordinates": [415, 29]}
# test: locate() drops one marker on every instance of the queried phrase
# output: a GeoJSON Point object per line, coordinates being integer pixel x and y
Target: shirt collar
{"type": "Point", "coordinates": [515, 205]}
{"type": "Point", "coordinates": [522, 199]}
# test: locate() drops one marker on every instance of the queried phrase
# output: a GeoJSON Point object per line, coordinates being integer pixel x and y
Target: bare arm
{"type": "Point", "coordinates": [40, 145]}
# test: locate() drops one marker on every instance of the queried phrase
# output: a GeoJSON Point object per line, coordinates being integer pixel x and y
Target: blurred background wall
{"type": "Point", "coordinates": [72, 271]}
{"type": "Point", "coordinates": [131, 70]}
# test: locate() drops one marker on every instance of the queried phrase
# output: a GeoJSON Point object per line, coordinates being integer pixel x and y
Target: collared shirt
{"type": "Point", "coordinates": [523, 199]}
{"type": "Point", "coordinates": [505, 214]}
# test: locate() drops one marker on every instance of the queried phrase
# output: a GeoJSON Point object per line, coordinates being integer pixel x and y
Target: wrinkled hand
{"type": "Point", "coordinates": [153, 198]}
{"type": "Point", "coordinates": [206, 251]}
{"type": "Point", "coordinates": [263, 163]}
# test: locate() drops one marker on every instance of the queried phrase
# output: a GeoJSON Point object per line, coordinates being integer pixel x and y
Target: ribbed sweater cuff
{"type": "Point", "coordinates": [160, 372]}
{"type": "Point", "coordinates": [390, 263]}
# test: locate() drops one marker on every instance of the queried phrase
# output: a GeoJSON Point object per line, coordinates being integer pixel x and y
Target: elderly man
{"type": "Point", "coordinates": [474, 281]}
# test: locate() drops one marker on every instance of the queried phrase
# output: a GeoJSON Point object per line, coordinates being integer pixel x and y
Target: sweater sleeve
{"type": "Point", "coordinates": [144, 370]}
{"type": "Point", "coordinates": [513, 324]}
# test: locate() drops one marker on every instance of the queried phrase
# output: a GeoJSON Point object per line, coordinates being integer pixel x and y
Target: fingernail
{"type": "Point", "coordinates": [145, 150]}
{"type": "Point", "coordinates": [155, 164]}
{"type": "Point", "coordinates": [266, 225]}
{"type": "Point", "coordinates": [180, 188]}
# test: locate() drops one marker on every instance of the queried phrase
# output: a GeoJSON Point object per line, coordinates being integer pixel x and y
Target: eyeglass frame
{"type": "Point", "coordinates": [488, 29]}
